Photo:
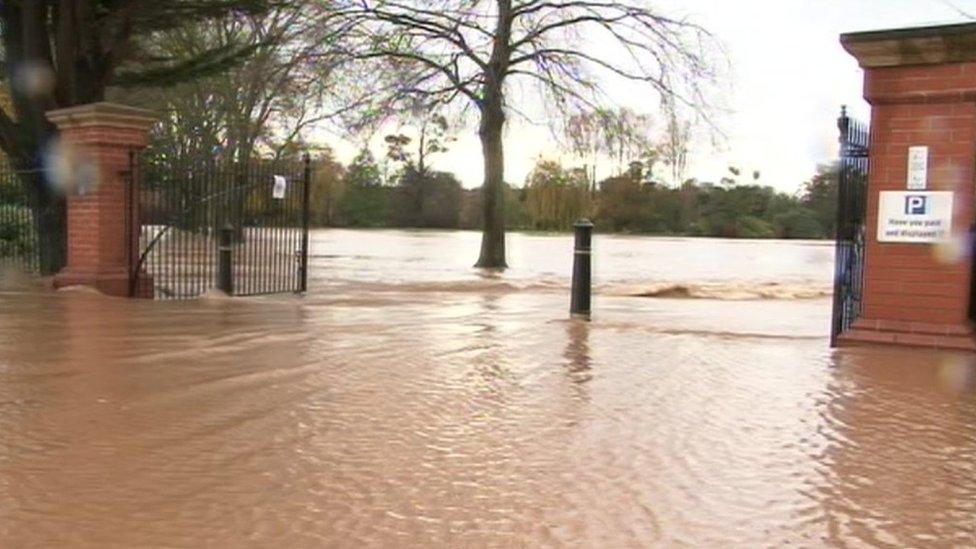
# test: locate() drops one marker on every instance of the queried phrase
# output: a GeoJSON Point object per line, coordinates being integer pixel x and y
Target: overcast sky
{"type": "Point", "coordinates": [789, 78]}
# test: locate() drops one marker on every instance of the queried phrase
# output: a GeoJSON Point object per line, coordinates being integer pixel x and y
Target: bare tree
{"type": "Point", "coordinates": [674, 147]}
{"type": "Point", "coordinates": [622, 135]}
{"type": "Point", "coordinates": [483, 51]}
{"type": "Point", "coordinates": [261, 106]}
{"type": "Point", "coordinates": [583, 133]}
{"type": "Point", "coordinates": [434, 135]}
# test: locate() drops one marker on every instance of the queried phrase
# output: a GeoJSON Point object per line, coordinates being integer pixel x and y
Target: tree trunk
{"type": "Point", "coordinates": [50, 220]}
{"type": "Point", "coordinates": [493, 197]}
{"type": "Point", "coordinates": [490, 131]}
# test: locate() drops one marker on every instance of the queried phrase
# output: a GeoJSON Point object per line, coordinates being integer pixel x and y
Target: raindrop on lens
{"type": "Point", "coordinates": [34, 78]}
{"type": "Point", "coordinates": [69, 171]}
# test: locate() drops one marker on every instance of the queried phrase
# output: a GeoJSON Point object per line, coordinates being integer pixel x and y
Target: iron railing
{"type": "Point", "coordinates": [851, 213]}
{"type": "Point", "coordinates": [19, 243]}
{"type": "Point", "coordinates": [184, 205]}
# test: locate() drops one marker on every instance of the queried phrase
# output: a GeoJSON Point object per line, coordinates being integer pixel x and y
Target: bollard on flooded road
{"type": "Point", "coordinates": [225, 269]}
{"type": "Point", "coordinates": [580, 304]}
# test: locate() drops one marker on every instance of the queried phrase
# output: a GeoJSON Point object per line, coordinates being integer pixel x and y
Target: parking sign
{"type": "Point", "coordinates": [919, 217]}
{"type": "Point", "coordinates": [915, 204]}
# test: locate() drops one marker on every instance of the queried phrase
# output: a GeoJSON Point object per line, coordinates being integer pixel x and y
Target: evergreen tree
{"type": "Point", "coordinates": [58, 54]}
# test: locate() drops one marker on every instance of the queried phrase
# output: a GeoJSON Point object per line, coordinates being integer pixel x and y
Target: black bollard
{"type": "Point", "coordinates": [225, 267]}
{"type": "Point", "coordinates": [580, 305]}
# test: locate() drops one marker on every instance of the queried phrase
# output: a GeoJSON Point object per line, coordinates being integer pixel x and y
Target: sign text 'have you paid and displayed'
{"type": "Point", "coordinates": [920, 217]}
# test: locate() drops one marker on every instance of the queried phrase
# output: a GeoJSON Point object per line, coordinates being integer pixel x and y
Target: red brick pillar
{"type": "Point", "coordinates": [101, 224]}
{"type": "Point", "coordinates": [921, 84]}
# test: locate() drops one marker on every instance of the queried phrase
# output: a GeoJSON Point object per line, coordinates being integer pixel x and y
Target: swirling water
{"type": "Point", "coordinates": [409, 400]}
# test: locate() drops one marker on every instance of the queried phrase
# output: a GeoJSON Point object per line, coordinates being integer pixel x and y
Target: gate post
{"type": "Point", "coordinates": [95, 142]}
{"type": "Point", "coordinates": [921, 85]}
{"type": "Point", "coordinates": [225, 267]}
{"type": "Point", "coordinates": [306, 195]}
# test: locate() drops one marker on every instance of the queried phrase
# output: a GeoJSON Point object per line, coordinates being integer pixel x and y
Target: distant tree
{"type": "Point", "coordinates": [481, 51]}
{"type": "Point", "coordinates": [431, 199]}
{"type": "Point", "coordinates": [820, 196]}
{"type": "Point", "coordinates": [423, 197]}
{"type": "Point", "coordinates": [624, 204]}
{"type": "Point", "coordinates": [628, 136]}
{"type": "Point", "coordinates": [363, 171]}
{"type": "Point", "coordinates": [434, 135]}
{"type": "Point", "coordinates": [556, 197]}
{"type": "Point", "coordinates": [365, 201]}
{"type": "Point", "coordinates": [259, 106]}
{"type": "Point", "coordinates": [515, 215]}
{"type": "Point", "coordinates": [674, 148]}
{"type": "Point", "coordinates": [621, 135]}
{"type": "Point", "coordinates": [583, 133]}
{"type": "Point", "coordinates": [798, 222]}
{"type": "Point", "coordinates": [328, 188]}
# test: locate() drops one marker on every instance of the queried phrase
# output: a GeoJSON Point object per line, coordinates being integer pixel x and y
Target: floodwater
{"type": "Point", "coordinates": [408, 400]}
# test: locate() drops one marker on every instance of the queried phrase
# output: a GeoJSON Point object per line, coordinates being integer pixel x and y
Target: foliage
{"type": "Point", "coordinates": [799, 222]}
{"type": "Point", "coordinates": [431, 199]}
{"type": "Point", "coordinates": [363, 171]}
{"type": "Point", "coordinates": [328, 188]}
{"type": "Point", "coordinates": [365, 202]}
{"type": "Point", "coordinates": [556, 197]}
{"type": "Point", "coordinates": [480, 52]}
{"type": "Point", "coordinates": [434, 135]}
{"type": "Point", "coordinates": [621, 135]}
{"type": "Point", "coordinates": [68, 53]}
{"type": "Point", "coordinates": [820, 196]}
{"type": "Point", "coordinates": [515, 214]}
{"type": "Point", "coordinates": [16, 231]}
{"type": "Point", "coordinates": [260, 106]}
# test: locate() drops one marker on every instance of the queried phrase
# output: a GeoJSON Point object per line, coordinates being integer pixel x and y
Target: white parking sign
{"type": "Point", "coordinates": [919, 217]}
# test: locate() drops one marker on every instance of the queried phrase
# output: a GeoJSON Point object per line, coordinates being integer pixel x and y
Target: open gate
{"type": "Point", "coordinates": [183, 208]}
{"type": "Point", "coordinates": [851, 213]}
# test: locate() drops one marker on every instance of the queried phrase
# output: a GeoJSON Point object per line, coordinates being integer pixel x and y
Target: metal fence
{"type": "Point", "coordinates": [19, 245]}
{"type": "Point", "coordinates": [851, 213]}
{"type": "Point", "coordinates": [183, 206]}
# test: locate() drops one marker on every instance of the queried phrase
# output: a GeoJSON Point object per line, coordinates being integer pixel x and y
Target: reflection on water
{"type": "Point", "coordinates": [462, 418]}
{"type": "Point", "coordinates": [578, 350]}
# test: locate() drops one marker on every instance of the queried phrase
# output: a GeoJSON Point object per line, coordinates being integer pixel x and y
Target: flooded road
{"type": "Point", "coordinates": [410, 401]}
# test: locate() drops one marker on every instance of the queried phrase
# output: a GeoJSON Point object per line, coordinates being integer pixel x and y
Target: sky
{"type": "Point", "coordinates": [788, 77]}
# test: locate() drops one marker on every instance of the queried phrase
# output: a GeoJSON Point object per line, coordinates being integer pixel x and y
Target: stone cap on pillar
{"type": "Point", "coordinates": [105, 123]}
{"type": "Point", "coordinates": [912, 46]}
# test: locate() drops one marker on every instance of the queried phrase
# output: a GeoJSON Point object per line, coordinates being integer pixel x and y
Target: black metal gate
{"type": "Point", "coordinates": [184, 206]}
{"type": "Point", "coordinates": [851, 213]}
{"type": "Point", "coordinates": [19, 244]}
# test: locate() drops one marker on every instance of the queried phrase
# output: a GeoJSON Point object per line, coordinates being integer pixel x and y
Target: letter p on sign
{"type": "Point", "coordinates": [915, 205]}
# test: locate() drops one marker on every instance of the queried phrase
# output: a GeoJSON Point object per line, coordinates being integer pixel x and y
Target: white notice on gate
{"type": "Point", "coordinates": [280, 186]}
{"type": "Point", "coordinates": [918, 168]}
{"type": "Point", "coordinates": [916, 217]}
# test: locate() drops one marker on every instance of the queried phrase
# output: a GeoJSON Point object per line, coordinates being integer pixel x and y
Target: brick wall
{"type": "Point", "coordinates": [912, 284]}
{"type": "Point", "coordinates": [101, 234]}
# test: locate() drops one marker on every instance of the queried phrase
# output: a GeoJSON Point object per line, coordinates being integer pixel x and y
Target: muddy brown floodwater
{"type": "Point", "coordinates": [410, 401]}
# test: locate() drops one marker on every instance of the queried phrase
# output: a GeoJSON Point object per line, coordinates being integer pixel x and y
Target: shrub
{"type": "Point", "coordinates": [16, 231]}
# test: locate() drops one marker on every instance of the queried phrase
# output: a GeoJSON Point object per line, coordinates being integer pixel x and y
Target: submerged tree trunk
{"type": "Point", "coordinates": [493, 196]}
{"type": "Point", "coordinates": [492, 109]}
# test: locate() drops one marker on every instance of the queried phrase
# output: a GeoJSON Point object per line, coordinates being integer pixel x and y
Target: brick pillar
{"type": "Point", "coordinates": [921, 84]}
{"type": "Point", "coordinates": [101, 225]}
